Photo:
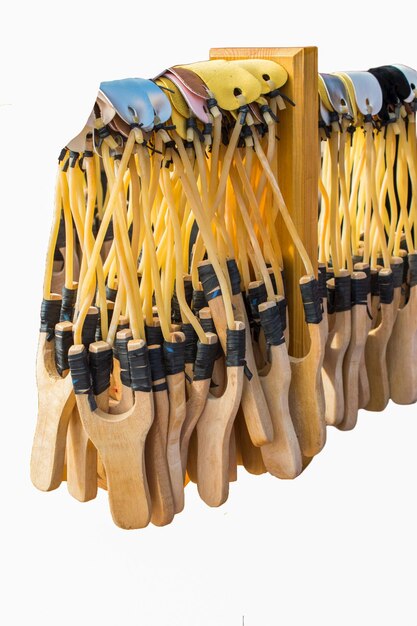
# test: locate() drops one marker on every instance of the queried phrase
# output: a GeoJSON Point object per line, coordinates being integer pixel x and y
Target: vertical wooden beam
{"type": "Point", "coordinates": [298, 173]}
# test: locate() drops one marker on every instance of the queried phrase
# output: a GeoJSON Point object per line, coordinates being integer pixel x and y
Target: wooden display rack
{"type": "Point", "coordinates": [298, 168]}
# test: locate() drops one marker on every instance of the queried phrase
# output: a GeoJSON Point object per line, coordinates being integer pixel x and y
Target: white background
{"type": "Point", "coordinates": [336, 547]}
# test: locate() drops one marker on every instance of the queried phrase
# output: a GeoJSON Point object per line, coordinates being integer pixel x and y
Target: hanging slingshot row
{"type": "Point", "coordinates": [196, 315]}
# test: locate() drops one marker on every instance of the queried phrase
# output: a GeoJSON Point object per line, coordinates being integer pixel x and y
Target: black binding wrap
{"type": "Point", "coordinates": [311, 301]}
{"type": "Point", "coordinates": [61, 241]}
{"type": "Point", "coordinates": [89, 329]}
{"type": "Point", "coordinates": [272, 326]}
{"type": "Point", "coordinates": [199, 300]}
{"type": "Point", "coordinates": [204, 361]}
{"type": "Point", "coordinates": [140, 369]}
{"type": "Point", "coordinates": [374, 283]}
{"type": "Point", "coordinates": [208, 326]}
{"type": "Point", "coordinates": [342, 293]}
{"type": "Point", "coordinates": [322, 282]}
{"type": "Point", "coordinates": [234, 276]}
{"type": "Point", "coordinates": [63, 341]}
{"type": "Point", "coordinates": [100, 368]}
{"type": "Point", "coordinates": [359, 291]}
{"type": "Point", "coordinates": [111, 294]}
{"type": "Point", "coordinates": [412, 263]}
{"type": "Point", "coordinates": [109, 236]}
{"type": "Point", "coordinates": [386, 288]}
{"type": "Point", "coordinates": [122, 326]}
{"type": "Point", "coordinates": [406, 267]}
{"type": "Point", "coordinates": [190, 342]}
{"type": "Point", "coordinates": [174, 357]}
{"type": "Point", "coordinates": [256, 296]}
{"type": "Point", "coordinates": [175, 305]}
{"type": "Point", "coordinates": [397, 273]}
{"type": "Point", "coordinates": [120, 353]}
{"type": "Point", "coordinates": [154, 335]}
{"type": "Point", "coordinates": [331, 307]}
{"type": "Point", "coordinates": [50, 312]}
{"type": "Point", "coordinates": [99, 336]}
{"type": "Point", "coordinates": [80, 374]}
{"type": "Point", "coordinates": [282, 308]}
{"type": "Point", "coordinates": [236, 350]}
{"type": "Point", "coordinates": [209, 281]}
{"type": "Point", "coordinates": [69, 296]}
{"type": "Point", "coordinates": [156, 362]}
{"type": "Point", "coordinates": [329, 273]}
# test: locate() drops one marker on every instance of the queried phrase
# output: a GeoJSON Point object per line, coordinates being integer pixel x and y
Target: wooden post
{"type": "Point", "coordinates": [298, 159]}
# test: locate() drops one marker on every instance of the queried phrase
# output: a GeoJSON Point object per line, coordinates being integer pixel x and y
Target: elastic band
{"type": "Point", "coordinates": [100, 368]}
{"type": "Point", "coordinates": [271, 324]}
{"type": "Point", "coordinates": [204, 360]}
{"type": "Point", "coordinates": [63, 341]}
{"type": "Point", "coordinates": [140, 370]}
{"type": "Point", "coordinates": [311, 301]}
{"type": "Point", "coordinates": [174, 357]}
{"type": "Point", "coordinates": [50, 312]}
